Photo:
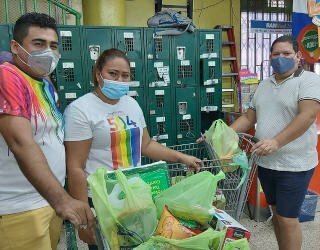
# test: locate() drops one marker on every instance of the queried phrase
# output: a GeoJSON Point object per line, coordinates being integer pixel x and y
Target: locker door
{"type": "Point", "coordinates": [209, 43]}
{"type": "Point", "coordinates": [161, 129]}
{"type": "Point", "coordinates": [68, 76]}
{"type": "Point", "coordinates": [157, 47]}
{"type": "Point", "coordinates": [183, 53]}
{"type": "Point", "coordinates": [97, 39]}
{"type": "Point", "coordinates": [186, 109]}
{"type": "Point", "coordinates": [158, 73]}
{"type": "Point", "coordinates": [6, 35]}
{"type": "Point", "coordinates": [130, 41]}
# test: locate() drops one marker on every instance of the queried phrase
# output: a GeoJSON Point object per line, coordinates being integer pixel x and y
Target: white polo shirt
{"type": "Point", "coordinates": [276, 105]}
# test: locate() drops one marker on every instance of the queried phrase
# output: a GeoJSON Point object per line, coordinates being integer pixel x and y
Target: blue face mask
{"type": "Point", "coordinates": [282, 65]}
{"type": "Point", "coordinates": [114, 89]}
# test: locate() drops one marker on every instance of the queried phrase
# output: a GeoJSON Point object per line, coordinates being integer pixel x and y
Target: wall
{"type": "Point", "coordinates": [206, 13]}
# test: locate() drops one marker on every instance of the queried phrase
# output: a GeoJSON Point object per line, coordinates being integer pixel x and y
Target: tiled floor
{"type": "Point", "coordinates": [262, 235]}
{"type": "Point", "coordinates": [263, 238]}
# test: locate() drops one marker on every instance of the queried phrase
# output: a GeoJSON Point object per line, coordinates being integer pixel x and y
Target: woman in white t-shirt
{"type": "Point", "coordinates": [106, 128]}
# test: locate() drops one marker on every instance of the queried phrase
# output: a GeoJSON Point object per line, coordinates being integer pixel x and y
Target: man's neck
{"type": "Point", "coordinates": [282, 77]}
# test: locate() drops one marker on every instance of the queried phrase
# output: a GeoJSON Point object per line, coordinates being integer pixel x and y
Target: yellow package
{"type": "Point", "coordinates": [169, 227]}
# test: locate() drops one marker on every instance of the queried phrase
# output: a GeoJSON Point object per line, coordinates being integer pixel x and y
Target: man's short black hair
{"type": "Point", "coordinates": [286, 38]}
{"type": "Point", "coordinates": [22, 25]}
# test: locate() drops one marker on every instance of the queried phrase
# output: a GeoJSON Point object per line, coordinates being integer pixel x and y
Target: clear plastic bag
{"type": "Point", "coordinates": [190, 198]}
{"type": "Point", "coordinates": [125, 210]}
{"type": "Point", "coordinates": [223, 139]}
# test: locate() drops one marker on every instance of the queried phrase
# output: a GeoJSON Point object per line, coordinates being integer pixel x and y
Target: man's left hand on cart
{"type": "Point", "coordinates": [265, 147]}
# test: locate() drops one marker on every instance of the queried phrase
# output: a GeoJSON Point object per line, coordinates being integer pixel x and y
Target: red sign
{"type": "Point", "coordinates": [308, 43]}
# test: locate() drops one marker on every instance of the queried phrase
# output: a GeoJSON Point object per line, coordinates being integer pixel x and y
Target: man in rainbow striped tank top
{"type": "Point", "coordinates": [32, 162]}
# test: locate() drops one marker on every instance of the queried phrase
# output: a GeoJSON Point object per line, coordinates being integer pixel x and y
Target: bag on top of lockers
{"type": "Point", "coordinates": [170, 19]}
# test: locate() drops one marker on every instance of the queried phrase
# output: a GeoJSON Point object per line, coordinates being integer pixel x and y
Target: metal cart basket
{"type": "Point", "coordinates": [235, 195]}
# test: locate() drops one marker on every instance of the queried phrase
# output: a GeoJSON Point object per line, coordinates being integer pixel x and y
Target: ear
{"type": "Point", "coordinates": [14, 47]}
{"type": "Point", "coordinates": [97, 74]}
{"type": "Point", "coordinates": [299, 56]}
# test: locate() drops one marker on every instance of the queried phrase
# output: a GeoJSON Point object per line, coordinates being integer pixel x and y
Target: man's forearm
{"type": "Point", "coordinates": [156, 151]}
{"type": "Point", "coordinates": [242, 124]}
{"type": "Point", "coordinates": [77, 184]}
{"type": "Point", "coordinates": [34, 166]}
{"type": "Point", "coordinates": [295, 129]}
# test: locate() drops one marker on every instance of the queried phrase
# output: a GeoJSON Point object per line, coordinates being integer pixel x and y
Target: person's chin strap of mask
{"type": "Point", "coordinates": [41, 62]}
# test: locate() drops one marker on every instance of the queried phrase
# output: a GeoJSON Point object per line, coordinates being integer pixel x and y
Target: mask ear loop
{"type": "Point", "coordinates": [20, 46]}
{"type": "Point", "coordinates": [102, 81]}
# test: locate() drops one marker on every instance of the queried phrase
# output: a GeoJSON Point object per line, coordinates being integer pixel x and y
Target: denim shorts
{"type": "Point", "coordinates": [285, 190]}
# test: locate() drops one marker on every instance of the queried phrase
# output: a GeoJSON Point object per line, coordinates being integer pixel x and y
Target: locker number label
{"type": "Point", "coordinates": [211, 63]}
{"type": "Point", "coordinates": [186, 117]}
{"type": "Point", "coordinates": [209, 36]}
{"type": "Point", "coordinates": [185, 63]}
{"type": "Point", "coordinates": [128, 35]}
{"type": "Point", "coordinates": [159, 92]}
{"type": "Point", "coordinates": [158, 64]}
{"type": "Point", "coordinates": [65, 33]}
{"type": "Point", "coordinates": [132, 64]}
{"type": "Point", "coordinates": [210, 90]}
{"type": "Point", "coordinates": [68, 65]}
{"type": "Point", "coordinates": [160, 119]}
{"type": "Point", "coordinates": [71, 95]}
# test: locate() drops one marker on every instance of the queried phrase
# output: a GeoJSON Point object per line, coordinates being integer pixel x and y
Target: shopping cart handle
{"type": "Point", "coordinates": [255, 139]}
{"type": "Point", "coordinates": [248, 137]}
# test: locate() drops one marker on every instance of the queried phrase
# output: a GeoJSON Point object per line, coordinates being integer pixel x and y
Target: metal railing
{"type": "Point", "coordinates": [54, 8]}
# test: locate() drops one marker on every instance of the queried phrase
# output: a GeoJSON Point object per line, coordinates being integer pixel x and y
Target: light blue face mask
{"type": "Point", "coordinates": [114, 89]}
{"type": "Point", "coordinates": [282, 65]}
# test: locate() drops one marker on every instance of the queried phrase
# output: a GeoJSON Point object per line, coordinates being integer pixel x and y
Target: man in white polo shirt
{"type": "Point", "coordinates": [284, 109]}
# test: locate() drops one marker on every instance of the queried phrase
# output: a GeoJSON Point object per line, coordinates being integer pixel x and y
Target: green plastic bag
{"type": "Point", "coordinates": [241, 244]}
{"type": "Point", "coordinates": [223, 139]}
{"type": "Point", "coordinates": [207, 240]}
{"type": "Point", "coordinates": [240, 159]}
{"type": "Point", "coordinates": [191, 198]}
{"type": "Point", "coordinates": [125, 210]}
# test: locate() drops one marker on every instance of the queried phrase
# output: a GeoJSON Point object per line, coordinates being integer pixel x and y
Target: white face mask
{"type": "Point", "coordinates": [41, 62]}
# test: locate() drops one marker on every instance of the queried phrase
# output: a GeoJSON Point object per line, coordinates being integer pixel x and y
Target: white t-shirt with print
{"type": "Point", "coordinates": [116, 131]}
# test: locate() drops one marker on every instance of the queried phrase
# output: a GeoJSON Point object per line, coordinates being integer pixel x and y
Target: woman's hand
{"type": "Point", "coordinates": [201, 139]}
{"type": "Point", "coordinates": [87, 235]}
{"type": "Point", "coordinates": [191, 161]}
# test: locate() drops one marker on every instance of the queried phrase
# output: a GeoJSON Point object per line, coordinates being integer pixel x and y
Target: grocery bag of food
{"type": "Point", "coordinates": [191, 198]}
{"type": "Point", "coordinates": [125, 210]}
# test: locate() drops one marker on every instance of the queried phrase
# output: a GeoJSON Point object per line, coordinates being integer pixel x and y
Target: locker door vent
{"type": "Point", "coordinates": [184, 71]}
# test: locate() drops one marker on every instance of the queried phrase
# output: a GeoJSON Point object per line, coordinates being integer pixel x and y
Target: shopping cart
{"type": "Point", "coordinates": [235, 195]}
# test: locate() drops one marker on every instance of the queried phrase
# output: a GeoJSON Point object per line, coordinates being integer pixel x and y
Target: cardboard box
{"type": "Point", "coordinates": [234, 230]}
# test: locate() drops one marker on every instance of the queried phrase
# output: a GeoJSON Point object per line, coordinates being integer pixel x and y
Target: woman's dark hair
{"type": "Point", "coordinates": [106, 56]}
{"type": "Point", "coordinates": [286, 38]}
{"type": "Point", "coordinates": [22, 25]}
